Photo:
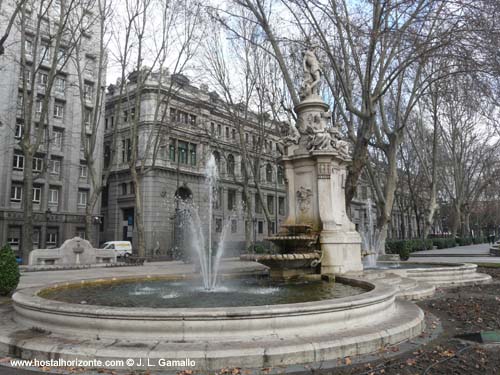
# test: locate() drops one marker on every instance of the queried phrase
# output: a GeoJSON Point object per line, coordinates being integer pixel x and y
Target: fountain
{"type": "Point", "coordinates": [317, 230]}
{"type": "Point", "coordinates": [246, 323]}
{"type": "Point", "coordinates": [209, 261]}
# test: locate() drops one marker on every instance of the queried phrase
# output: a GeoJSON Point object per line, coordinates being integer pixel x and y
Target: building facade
{"type": "Point", "coordinates": [61, 186]}
{"type": "Point", "coordinates": [197, 125]}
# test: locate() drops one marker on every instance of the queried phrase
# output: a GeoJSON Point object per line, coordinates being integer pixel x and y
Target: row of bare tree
{"type": "Point", "coordinates": [412, 83]}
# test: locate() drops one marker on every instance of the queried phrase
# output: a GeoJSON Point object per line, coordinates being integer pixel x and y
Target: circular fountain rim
{"type": "Point", "coordinates": [29, 298]}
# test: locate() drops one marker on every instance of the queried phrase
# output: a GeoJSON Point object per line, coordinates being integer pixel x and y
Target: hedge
{"type": "Point", "coordinates": [444, 243]}
{"type": "Point", "coordinates": [405, 247]}
{"type": "Point", "coordinates": [9, 271]}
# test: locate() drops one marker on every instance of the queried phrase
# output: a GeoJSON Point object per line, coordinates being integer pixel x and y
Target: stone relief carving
{"type": "Point", "coordinates": [304, 198]}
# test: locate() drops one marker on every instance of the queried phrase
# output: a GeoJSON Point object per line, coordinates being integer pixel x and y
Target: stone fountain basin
{"type": "Point", "coordinates": [194, 324]}
{"type": "Point", "coordinates": [255, 337]}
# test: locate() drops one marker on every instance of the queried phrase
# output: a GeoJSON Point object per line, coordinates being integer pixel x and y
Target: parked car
{"type": "Point", "coordinates": [121, 248]}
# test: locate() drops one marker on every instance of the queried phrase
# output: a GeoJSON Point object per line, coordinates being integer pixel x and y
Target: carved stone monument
{"type": "Point", "coordinates": [315, 159]}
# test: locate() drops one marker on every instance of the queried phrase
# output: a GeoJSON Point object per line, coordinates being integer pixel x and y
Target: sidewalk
{"type": "Point", "coordinates": [459, 254]}
{"type": "Point", "coordinates": [481, 250]}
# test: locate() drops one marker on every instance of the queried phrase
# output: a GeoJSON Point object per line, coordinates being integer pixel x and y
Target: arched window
{"type": "Point", "coordinates": [269, 173]}
{"type": "Point", "coordinates": [230, 165]}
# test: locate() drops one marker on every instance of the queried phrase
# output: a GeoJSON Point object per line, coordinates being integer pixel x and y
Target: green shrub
{"type": "Point", "coordinates": [9, 271]}
{"type": "Point", "coordinates": [464, 241]}
{"type": "Point", "coordinates": [479, 239]}
{"type": "Point", "coordinates": [401, 247]}
{"type": "Point", "coordinates": [258, 249]}
{"type": "Point", "coordinates": [444, 243]}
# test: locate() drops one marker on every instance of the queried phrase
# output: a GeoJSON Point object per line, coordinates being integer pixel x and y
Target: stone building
{"type": "Point", "coordinates": [196, 124]}
{"type": "Point", "coordinates": [61, 185]}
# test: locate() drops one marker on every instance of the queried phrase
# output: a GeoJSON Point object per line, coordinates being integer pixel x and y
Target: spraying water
{"type": "Point", "coordinates": [208, 258]}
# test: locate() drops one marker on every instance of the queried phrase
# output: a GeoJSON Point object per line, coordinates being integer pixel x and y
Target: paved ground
{"type": "Point", "coordinates": [29, 279]}
{"type": "Point", "coordinates": [472, 250]}
{"type": "Point", "coordinates": [458, 254]}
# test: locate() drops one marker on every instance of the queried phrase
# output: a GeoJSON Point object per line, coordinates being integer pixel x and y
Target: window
{"type": "Point", "coordinates": [36, 237]}
{"type": "Point", "coordinates": [218, 225]}
{"type": "Point", "coordinates": [192, 153]}
{"type": "Point", "coordinates": [219, 130]}
{"type": "Point", "coordinates": [171, 149]}
{"type": "Point", "coordinates": [260, 226]}
{"type": "Point", "coordinates": [28, 47]}
{"type": "Point", "coordinates": [89, 67]}
{"type": "Point", "coordinates": [270, 227]}
{"type": "Point", "coordinates": [27, 76]}
{"type": "Point", "coordinates": [37, 194]}
{"type": "Point", "coordinates": [217, 159]}
{"type": "Point", "coordinates": [55, 166]}
{"type": "Point", "coordinates": [230, 165]}
{"type": "Point", "coordinates": [124, 188]}
{"type": "Point", "coordinates": [37, 164]}
{"type": "Point", "coordinates": [218, 198]}
{"type": "Point", "coordinates": [20, 102]}
{"type": "Point", "coordinates": [183, 152]}
{"type": "Point", "coordinates": [52, 237]}
{"type": "Point", "coordinates": [126, 150]}
{"type": "Point", "coordinates": [87, 119]}
{"type": "Point", "coordinates": [83, 171]}
{"type": "Point", "coordinates": [82, 197]}
{"type": "Point", "coordinates": [233, 134]}
{"type": "Point", "coordinates": [60, 85]}
{"type": "Point", "coordinates": [53, 195]}
{"type": "Point", "coordinates": [270, 204]}
{"type": "Point", "coordinates": [58, 139]}
{"type": "Point", "coordinates": [18, 132]}
{"type": "Point", "coordinates": [44, 53]}
{"type": "Point", "coordinates": [231, 199]}
{"type": "Point", "coordinates": [281, 175]}
{"type": "Point", "coordinates": [212, 129]}
{"type": "Point", "coordinates": [61, 55]}
{"type": "Point", "coordinates": [234, 226]}
{"type": "Point", "coordinates": [38, 108]}
{"type": "Point", "coordinates": [258, 205]}
{"type": "Point", "coordinates": [192, 120]}
{"type": "Point", "coordinates": [43, 78]}
{"type": "Point", "coordinates": [246, 137]}
{"type": "Point", "coordinates": [269, 173]}
{"type": "Point", "coordinates": [13, 237]}
{"type": "Point", "coordinates": [18, 162]}
{"type": "Point", "coordinates": [16, 193]}
{"type": "Point", "coordinates": [281, 205]}
{"type": "Point", "coordinates": [88, 91]}
{"type": "Point", "coordinates": [227, 132]}
{"type": "Point", "coordinates": [58, 110]}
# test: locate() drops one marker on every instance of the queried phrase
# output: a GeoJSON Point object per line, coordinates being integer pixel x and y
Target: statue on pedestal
{"type": "Point", "coordinates": [312, 74]}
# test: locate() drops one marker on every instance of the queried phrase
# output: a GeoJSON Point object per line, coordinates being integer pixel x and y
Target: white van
{"type": "Point", "coordinates": [121, 248]}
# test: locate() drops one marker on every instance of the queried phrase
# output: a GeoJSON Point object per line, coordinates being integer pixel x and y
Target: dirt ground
{"type": "Point", "coordinates": [462, 310]}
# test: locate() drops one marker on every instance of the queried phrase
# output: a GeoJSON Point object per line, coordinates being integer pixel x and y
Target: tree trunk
{"type": "Point", "coordinates": [139, 224]}
{"type": "Point", "coordinates": [27, 232]}
{"type": "Point", "coordinates": [89, 214]}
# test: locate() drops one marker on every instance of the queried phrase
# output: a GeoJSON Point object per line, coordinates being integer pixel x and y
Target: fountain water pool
{"type": "Point", "coordinates": [187, 293]}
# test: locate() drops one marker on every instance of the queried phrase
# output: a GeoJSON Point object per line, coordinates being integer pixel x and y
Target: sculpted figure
{"type": "Point", "coordinates": [312, 73]}
{"type": "Point", "coordinates": [291, 133]}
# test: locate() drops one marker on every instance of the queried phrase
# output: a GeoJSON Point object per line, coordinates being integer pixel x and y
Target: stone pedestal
{"type": "Point", "coordinates": [315, 168]}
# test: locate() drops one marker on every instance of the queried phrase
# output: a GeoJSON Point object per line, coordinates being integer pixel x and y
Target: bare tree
{"type": "Point", "coordinates": [45, 31]}
{"type": "Point", "coordinates": [92, 107]}
{"type": "Point", "coordinates": [143, 51]}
